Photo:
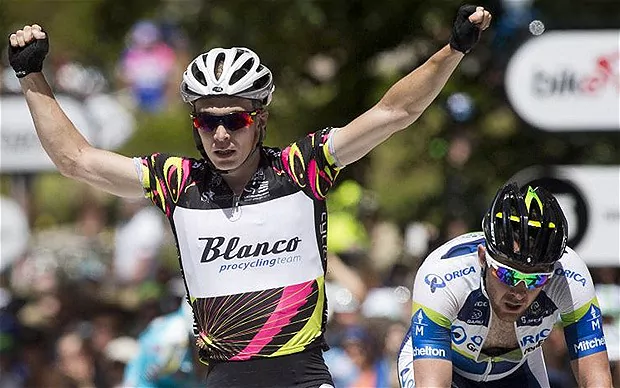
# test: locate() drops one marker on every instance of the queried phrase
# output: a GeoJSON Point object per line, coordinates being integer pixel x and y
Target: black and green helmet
{"type": "Point", "coordinates": [525, 226]}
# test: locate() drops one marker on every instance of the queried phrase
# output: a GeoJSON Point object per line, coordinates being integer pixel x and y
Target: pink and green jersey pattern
{"type": "Point", "coordinates": [253, 264]}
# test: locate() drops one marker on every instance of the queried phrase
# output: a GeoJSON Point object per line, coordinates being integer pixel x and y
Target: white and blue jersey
{"type": "Point", "coordinates": [452, 316]}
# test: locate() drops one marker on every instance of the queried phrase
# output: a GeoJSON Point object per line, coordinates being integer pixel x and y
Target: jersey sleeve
{"type": "Point", "coordinates": [431, 326]}
{"type": "Point", "coordinates": [579, 309]}
{"type": "Point", "coordinates": [310, 163]}
{"type": "Point", "coordinates": [164, 178]}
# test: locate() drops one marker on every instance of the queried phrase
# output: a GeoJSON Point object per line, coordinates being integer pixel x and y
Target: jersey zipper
{"type": "Point", "coordinates": [488, 370]}
{"type": "Point", "coordinates": [236, 207]}
{"type": "Point", "coordinates": [490, 362]}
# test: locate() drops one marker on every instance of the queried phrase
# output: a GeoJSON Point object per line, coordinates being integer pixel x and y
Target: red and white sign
{"type": "Point", "coordinates": [567, 81]}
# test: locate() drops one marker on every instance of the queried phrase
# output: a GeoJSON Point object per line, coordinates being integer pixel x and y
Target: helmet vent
{"type": "Point", "coordinates": [198, 74]}
{"type": "Point", "coordinates": [219, 65]}
{"type": "Point", "coordinates": [535, 212]}
{"type": "Point", "coordinates": [238, 74]}
{"type": "Point", "coordinates": [261, 82]}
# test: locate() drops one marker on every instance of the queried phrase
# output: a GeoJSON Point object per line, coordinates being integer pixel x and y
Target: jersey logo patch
{"type": "Point", "coordinates": [434, 281]}
{"type": "Point", "coordinates": [476, 309]}
{"type": "Point", "coordinates": [541, 308]}
{"type": "Point", "coordinates": [458, 335]}
{"type": "Point", "coordinates": [572, 275]}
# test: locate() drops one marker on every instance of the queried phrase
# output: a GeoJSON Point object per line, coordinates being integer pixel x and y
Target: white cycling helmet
{"type": "Point", "coordinates": [242, 76]}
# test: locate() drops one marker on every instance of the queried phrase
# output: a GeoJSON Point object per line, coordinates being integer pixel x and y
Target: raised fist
{"type": "Point", "coordinates": [469, 23]}
{"type": "Point", "coordinates": [27, 50]}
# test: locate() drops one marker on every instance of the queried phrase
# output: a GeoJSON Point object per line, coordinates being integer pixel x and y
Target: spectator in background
{"type": "Point", "coordinates": [355, 227]}
{"type": "Point", "coordinates": [395, 331]}
{"type": "Point", "coordinates": [164, 356]}
{"type": "Point", "coordinates": [385, 246]}
{"type": "Point", "coordinates": [105, 326]}
{"type": "Point", "coordinates": [345, 291]}
{"type": "Point", "coordinates": [607, 288]}
{"type": "Point", "coordinates": [173, 35]}
{"type": "Point", "coordinates": [346, 232]}
{"type": "Point", "coordinates": [138, 240]}
{"type": "Point", "coordinates": [12, 371]}
{"type": "Point", "coordinates": [76, 362]}
{"type": "Point", "coordinates": [147, 67]}
{"type": "Point", "coordinates": [36, 366]}
{"type": "Point", "coordinates": [75, 78]}
{"type": "Point", "coordinates": [118, 353]}
{"type": "Point", "coordinates": [364, 348]}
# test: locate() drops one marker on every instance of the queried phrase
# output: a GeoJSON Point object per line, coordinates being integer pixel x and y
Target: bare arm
{"type": "Point", "coordinates": [71, 153]}
{"type": "Point", "coordinates": [592, 371]}
{"type": "Point", "coordinates": [400, 107]}
{"type": "Point", "coordinates": [403, 103]}
{"type": "Point", "coordinates": [432, 373]}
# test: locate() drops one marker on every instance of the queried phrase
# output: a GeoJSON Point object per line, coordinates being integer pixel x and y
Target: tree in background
{"type": "Point", "coordinates": [324, 53]}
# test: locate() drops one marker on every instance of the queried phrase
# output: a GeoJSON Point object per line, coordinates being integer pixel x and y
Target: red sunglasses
{"type": "Point", "coordinates": [232, 121]}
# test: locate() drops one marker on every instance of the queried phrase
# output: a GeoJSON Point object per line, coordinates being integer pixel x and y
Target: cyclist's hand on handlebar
{"type": "Point", "coordinates": [27, 50]}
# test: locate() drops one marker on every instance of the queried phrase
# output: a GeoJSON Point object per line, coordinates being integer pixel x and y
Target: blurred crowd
{"type": "Point", "coordinates": [81, 303]}
{"type": "Point", "coordinates": [145, 78]}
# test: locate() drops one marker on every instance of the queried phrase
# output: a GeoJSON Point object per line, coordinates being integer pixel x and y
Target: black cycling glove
{"type": "Point", "coordinates": [28, 59]}
{"type": "Point", "coordinates": [465, 34]}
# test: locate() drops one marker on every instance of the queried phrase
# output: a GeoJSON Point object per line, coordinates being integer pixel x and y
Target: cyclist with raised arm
{"type": "Point", "coordinates": [483, 303]}
{"type": "Point", "coordinates": [249, 220]}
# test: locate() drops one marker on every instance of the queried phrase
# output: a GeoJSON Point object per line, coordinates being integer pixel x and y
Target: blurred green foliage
{"type": "Point", "coordinates": [411, 171]}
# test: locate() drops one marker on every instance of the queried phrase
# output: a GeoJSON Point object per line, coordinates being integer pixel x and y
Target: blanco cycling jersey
{"type": "Point", "coordinates": [452, 315]}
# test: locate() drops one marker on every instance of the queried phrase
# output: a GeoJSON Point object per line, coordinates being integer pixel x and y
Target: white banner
{"type": "Point", "coordinates": [100, 118]}
{"type": "Point", "coordinates": [567, 81]}
{"type": "Point", "coordinates": [590, 198]}
{"type": "Point", "coordinates": [14, 232]}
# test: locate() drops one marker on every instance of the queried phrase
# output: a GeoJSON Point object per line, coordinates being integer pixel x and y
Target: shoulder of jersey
{"type": "Point", "coordinates": [570, 261]}
{"type": "Point", "coordinates": [454, 266]}
{"type": "Point", "coordinates": [459, 249]}
{"type": "Point", "coordinates": [570, 264]}
{"type": "Point", "coordinates": [570, 257]}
